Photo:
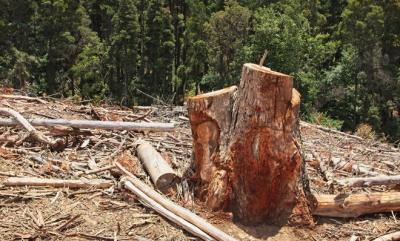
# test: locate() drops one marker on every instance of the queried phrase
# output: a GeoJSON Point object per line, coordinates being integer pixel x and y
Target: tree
{"type": "Point", "coordinates": [59, 43]}
{"type": "Point", "coordinates": [123, 53]}
{"type": "Point", "coordinates": [158, 53]}
{"type": "Point", "coordinates": [195, 65]}
{"type": "Point", "coordinates": [228, 32]}
{"type": "Point", "coordinates": [88, 72]}
{"type": "Point", "coordinates": [367, 27]}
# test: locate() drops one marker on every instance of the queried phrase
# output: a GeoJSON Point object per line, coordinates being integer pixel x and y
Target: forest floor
{"type": "Point", "coordinates": [44, 213]}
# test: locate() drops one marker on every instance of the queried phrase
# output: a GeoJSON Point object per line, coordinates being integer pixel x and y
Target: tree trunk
{"type": "Point", "coordinates": [245, 148]}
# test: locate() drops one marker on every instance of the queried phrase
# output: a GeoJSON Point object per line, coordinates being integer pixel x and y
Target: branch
{"type": "Point", "coordinates": [176, 209]}
{"type": "Point", "coordinates": [90, 124]}
{"type": "Point", "coordinates": [370, 181]}
{"type": "Point", "coordinates": [35, 134]}
{"type": "Point", "coordinates": [40, 182]}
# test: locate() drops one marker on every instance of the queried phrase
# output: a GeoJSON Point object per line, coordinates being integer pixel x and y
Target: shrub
{"type": "Point", "coordinates": [365, 131]}
{"type": "Point", "coordinates": [325, 120]}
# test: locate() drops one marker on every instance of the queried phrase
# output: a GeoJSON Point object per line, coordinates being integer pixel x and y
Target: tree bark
{"type": "Point", "coordinates": [210, 118]}
{"type": "Point", "coordinates": [246, 153]}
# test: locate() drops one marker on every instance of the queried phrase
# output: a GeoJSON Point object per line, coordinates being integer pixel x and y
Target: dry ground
{"type": "Point", "coordinates": [113, 214]}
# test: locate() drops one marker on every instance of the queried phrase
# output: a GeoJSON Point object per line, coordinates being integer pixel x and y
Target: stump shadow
{"type": "Point", "coordinates": [261, 231]}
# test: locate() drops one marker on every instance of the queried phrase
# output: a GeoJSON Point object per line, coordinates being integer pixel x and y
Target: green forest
{"type": "Point", "coordinates": [344, 54]}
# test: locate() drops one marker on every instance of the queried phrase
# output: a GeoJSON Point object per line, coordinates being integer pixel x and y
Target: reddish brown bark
{"type": "Point", "coordinates": [245, 148]}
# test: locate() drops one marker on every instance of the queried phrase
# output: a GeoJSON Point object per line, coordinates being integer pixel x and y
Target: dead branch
{"type": "Point", "coordinates": [323, 169]}
{"type": "Point", "coordinates": [370, 181]}
{"type": "Point", "coordinates": [165, 212]}
{"type": "Point", "coordinates": [90, 124]}
{"type": "Point", "coordinates": [20, 97]}
{"type": "Point", "coordinates": [39, 182]}
{"type": "Point", "coordinates": [389, 237]}
{"type": "Point", "coordinates": [325, 129]}
{"type": "Point", "coordinates": [354, 205]}
{"type": "Point", "coordinates": [352, 167]}
{"type": "Point", "coordinates": [35, 134]}
{"type": "Point", "coordinates": [176, 209]}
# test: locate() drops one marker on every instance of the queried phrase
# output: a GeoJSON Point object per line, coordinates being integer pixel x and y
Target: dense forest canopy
{"type": "Point", "coordinates": [344, 54]}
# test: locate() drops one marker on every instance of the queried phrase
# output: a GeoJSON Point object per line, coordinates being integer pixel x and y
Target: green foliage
{"type": "Point", "coordinates": [323, 119]}
{"type": "Point", "coordinates": [123, 56]}
{"type": "Point", "coordinates": [88, 70]}
{"type": "Point", "coordinates": [20, 71]}
{"type": "Point", "coordinates": [228, 31]}
{"type": "Point", "coordinates": [344, 55]}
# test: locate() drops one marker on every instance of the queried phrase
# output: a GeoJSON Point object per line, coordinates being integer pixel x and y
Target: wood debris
{"type": "Point", "coordinates": [111, 212]}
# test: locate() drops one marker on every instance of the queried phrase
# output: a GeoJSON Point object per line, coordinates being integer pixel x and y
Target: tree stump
{"type": "Point", "coordinates": [245, 149]}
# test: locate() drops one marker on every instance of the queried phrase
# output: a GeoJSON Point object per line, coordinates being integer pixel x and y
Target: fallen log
{"type": "Point", "coordinates": [176, 209]}
{"type": "Point", "coordinates": [165, 212]}
{"type": "Point", "coordinates": [39, 182]}
{"type": "Point", "coordinates": [370, 181]}
{"type": "Point", "coordinates": [90, 124]}
{"type": "Point", "coordinates": [355, 205]}
{"type": "Point", "coordinates": [32, 132]}
{"type": "Point", "coordinates": [389, 237]}
{"type": "Point", "coordinates": [159, 170]}
{"type": "Point", "coordinates": [245, 144]}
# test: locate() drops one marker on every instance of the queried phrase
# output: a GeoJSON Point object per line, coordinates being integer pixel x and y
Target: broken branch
{"type": "Point", "coordinates": [20, 97]}
{"type": "Point", "coordinates": [176, 209]}
{"type": "Point", "coordinates": [370, 181]}
{"type": "Point", "coordinates": [165, 212]}
{"type": "Point", "coordinates": [39, 182]}
{"type": "Point", "coordinates": [90, 124]}
{"type": "Point", "coordinates": [389, 237]}
{"type": "Point", "coordinates": [35, 134]}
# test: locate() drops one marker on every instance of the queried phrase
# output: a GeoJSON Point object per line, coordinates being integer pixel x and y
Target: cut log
{"type": "Point", "coordinates": [355, 205]}
{"type": "Point", "coordinates": [246, 153]}
{"type": "Point", "coordinates": [90, 124]}
{"type": "Point", "coordinates": [176, 209]}
{"type": "Point", "coordinates": [389, 237]}
{"type": "Point", "coordinates": [40, 182]}
{"type": "Point", "coordinates": [160, 172]}
{"type": "Point", "coordinates": [370, 181]}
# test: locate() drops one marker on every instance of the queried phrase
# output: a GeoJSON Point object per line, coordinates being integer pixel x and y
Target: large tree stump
{"type": "Point", "coordinates": [245, 149]}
